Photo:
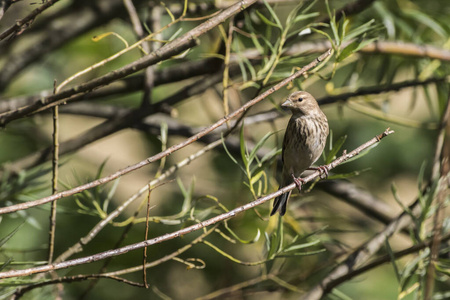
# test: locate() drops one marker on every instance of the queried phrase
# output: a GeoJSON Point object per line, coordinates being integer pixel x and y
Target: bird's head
{"type": "Point", "coordinates": [301, 103]}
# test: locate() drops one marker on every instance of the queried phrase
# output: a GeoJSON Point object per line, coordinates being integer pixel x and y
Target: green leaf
{"type": "Point", "coordinates": [253, 36]}
{"type": "Point", "coordinates": [267, 21]}
{"type": "Point", "coordinates": [306, 16]}
{"type": "Point", "coordinates": [175, 34]}
{"type": "Point", "coordinates": [273, 15]}
{"type": "Point", "coordinates": [5, 264]}
{"type": "Point", "coordinates": [360, 30]}
{"type": "Point", "coordinates": [10, 235]}
{"type": "Point", "coordinates": [243, 147]}
{"type": "Point", "coordinates": [399, 202]}
{"type": "Point", "coordinates": [258, 146]}
{"type": "Point", "coordinates": [347, 175]}
{"type": "Point", "coordinates": [343, 27]}
{"type": "Point", "coordinates": [267, 243]}
{"type": "Point", "coordinates": [361, 154]}
{"type": "Point", "coordinates": [296, 247]}
{"type": "Point", "coordinates": [426, 20]}
{"type": "Point", "coordinates": [336, 147]}
{"type": "Point", "coordinates": [251, 241]}
{"type": "Point", "coordinates": [347, 51]}
{"type": "Point", "coordinates": [273, 153]}
{"type": "Point", "coordinates": [228, 152]}
{"type": "Point", "coordinates": [326, 35]}
{"type": "Point", "coordinates": [256, 177]}
{"type": "Point", "coordinates": [365, 43]}
{"type": "Point", "coordinates": [280, 233]}
{"type": "Point", "coordinates": [333, 24]}
{"type": "Point", "coordinates": [393, 260]}
{"type": "Point", "coordinates": [273, 242]}
{"type": "Point", "coordinates": [110, 195]}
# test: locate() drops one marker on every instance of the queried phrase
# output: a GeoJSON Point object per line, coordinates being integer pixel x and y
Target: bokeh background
{"type": "Point", "coordinates": [389, 68]}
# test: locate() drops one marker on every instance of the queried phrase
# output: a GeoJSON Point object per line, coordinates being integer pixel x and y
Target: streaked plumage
{"type": "Point", "coordinates": [303, 143]}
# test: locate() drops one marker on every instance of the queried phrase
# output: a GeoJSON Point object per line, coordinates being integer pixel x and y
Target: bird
{"type": "Point", "coordinates": [303, 143]}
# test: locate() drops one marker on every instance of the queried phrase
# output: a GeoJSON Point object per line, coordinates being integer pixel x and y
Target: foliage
{"type": "Point", "coordinates": [134, 79]}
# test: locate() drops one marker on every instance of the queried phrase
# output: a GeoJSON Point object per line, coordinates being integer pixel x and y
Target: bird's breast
{"type": "Point", "coordinates": [305, 139]}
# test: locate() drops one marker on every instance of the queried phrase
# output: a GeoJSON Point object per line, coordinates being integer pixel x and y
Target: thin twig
{"type": "Point", "coordinates": [388, 258]}
{"type": "Point", "coordinates": [439, 172]}
{"type": "Point", "coordinates": [192, 228]}
{"type": "Point", "coordinates": [378, 89]}
{"type": "Point", "coordinates": [343, 270]}
{"type": "Point", "coordinates": [52, 225]}
{"type": "Point", "coordinates": [71, 279]}
{"type": "Point", "coordinates": [115, 274]}
{"type": "Point", "coordinates": [177, 46]}
{"type": "Point", "coordinates": [382, 47]}
{"type": "Point", "coordinates": [21, 25]}
{"type": "Point", "coordinates": [170, 150]}
{"type": "Point", "coordinates": [144, 269]}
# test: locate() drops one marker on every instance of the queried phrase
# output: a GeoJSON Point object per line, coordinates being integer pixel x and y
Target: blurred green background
{"type": "Point", "coordinates": [413, 113]}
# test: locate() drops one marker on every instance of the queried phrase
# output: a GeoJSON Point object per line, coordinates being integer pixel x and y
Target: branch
{"type": "Point", "coordinates": [182, 71]}
{"type": "Point", "coordinates": [177, 46]}
{"type": "Point", "coordinates": [184, 231]}
{"type": "Point", "coordinates": [115, 274]}
{"type": "Point", "coordinates": [399, 254]}
{"type": "Point", "coordinates": [170, 150]}
{"type": "Point", "coordinates": [383, 47]}
{"type": "Point", "coordinates": [189, 69]}
{"type": "Point", "coordinates": [22, 24]}
{"type": "Point", "coordinates": [118, 119]}
{"type": "Point", "coordinates": [114, 112]}
{"type": "Point", "coordinates": [59, 31]}
{"type": "Point", "coordinates": [358, 198]}
{"type": "Point", "coordinates": [341, 272]}
{"type": "Point", "coordinates": [4, 5]}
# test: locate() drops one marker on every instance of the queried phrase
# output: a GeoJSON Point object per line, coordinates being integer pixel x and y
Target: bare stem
{"type": "Point", "coordinates": [184, 231]}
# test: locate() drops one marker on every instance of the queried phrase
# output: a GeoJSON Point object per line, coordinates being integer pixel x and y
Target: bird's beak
{"type": "Point", "coordinates": [287, 104]}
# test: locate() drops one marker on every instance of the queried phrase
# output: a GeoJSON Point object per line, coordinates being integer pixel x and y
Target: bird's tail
{"type": "Point", "coordinates": [280, 203]}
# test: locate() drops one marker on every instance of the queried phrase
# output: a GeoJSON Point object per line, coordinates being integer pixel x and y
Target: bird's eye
{"type": "Point", "coordinates": [300, 99]}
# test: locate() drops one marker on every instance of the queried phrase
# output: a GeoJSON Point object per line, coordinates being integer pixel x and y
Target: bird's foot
{"type": "Point", "coordinates": [323, 170]}
{"type": "Point", "coordinates": [298, 182]}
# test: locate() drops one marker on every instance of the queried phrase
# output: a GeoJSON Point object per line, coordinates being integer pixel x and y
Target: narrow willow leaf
{"type": "Point", "coordinates": [305, 16]}
{"type": "Point", "coordinates": [393, 260]}
{"type": "Point", "coordinates": [361, 154]}
{"type": "Point", "coordinates": [258, 146]}
{"type": "Point", "coordinates": [243, 147]}
{"type": "Point", "coordinates": [273, 15]}
{"type": "Point", "coordinates": [267, 21]}
{"type": "Point", "coordinates": [365, 43]}
{"type": "Point", "coordinates": [254, 38]}
{"type": "Point", "coordinates": [273, 153]}
{"type": "Point", "coordinates": [301, 246]}
{"type": "Point", "coordinates": [347, 51]}
{"type": "Point", "coordinates": [336, 147]}
{"type": "Point", "coordinates": [326, 35]}
{"type": "Point", "coordinates": [10, 235]}
{"type": "Point", "coordinates": [243, 241]}
{"type": "Point", "coordinates": [6, 263]}
{"type": "Point", "coordinates": [426, 20]}
{"type": "Point", "coordinates": [359, 30]}
{"type": "Point", "coordinates": [256, 177]}
{"type": "Point", "coordinates": [230, 155]}
{"type": "Point", "coordinates": [347, 175]}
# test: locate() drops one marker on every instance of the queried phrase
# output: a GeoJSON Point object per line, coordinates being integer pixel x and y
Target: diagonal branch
{"type": "Point", "coordinates": [195, 227]}
{"type": "Point", "coordinates": [170, 150]}
{"type": "Point", "coordinates": [22, 24]}
{"type": "Point", "coordinates": [177, 46]}
{"type": "Point", "coordinates": [353, 262]}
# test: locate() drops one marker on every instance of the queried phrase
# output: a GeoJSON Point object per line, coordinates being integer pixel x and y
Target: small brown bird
{"type": "Point", "coordinates": [303, 143]}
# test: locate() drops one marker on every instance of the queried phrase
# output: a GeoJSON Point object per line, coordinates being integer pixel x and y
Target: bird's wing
{"type": "Point", "coordinates": [285, 139]}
